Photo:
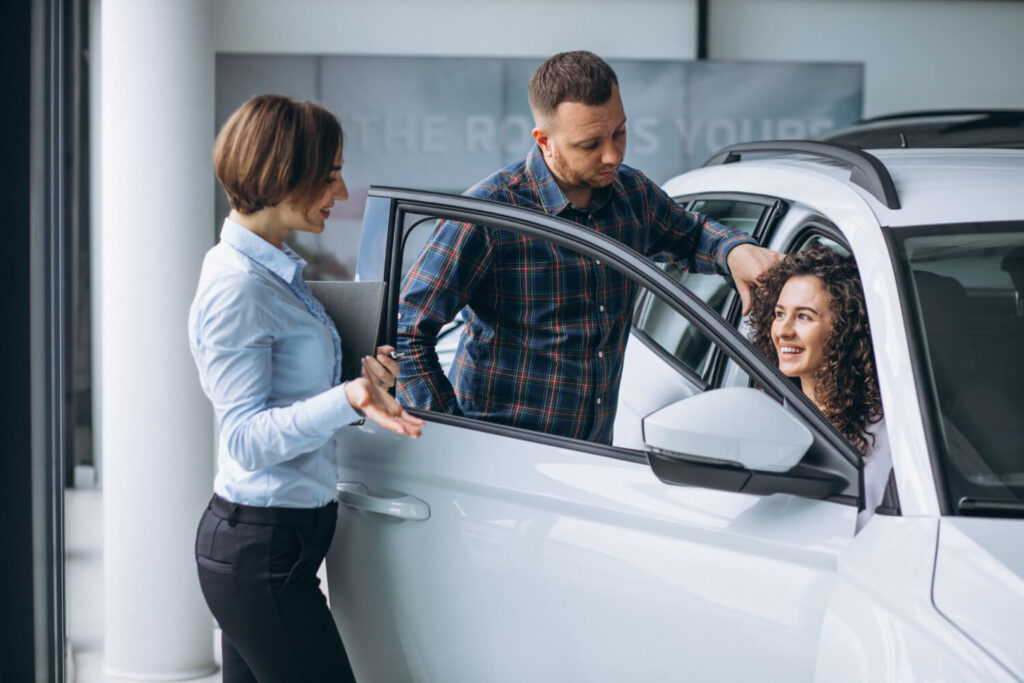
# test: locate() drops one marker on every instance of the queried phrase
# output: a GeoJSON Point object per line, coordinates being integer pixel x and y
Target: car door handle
{"type": "Point", "coordinates": [354, 494]}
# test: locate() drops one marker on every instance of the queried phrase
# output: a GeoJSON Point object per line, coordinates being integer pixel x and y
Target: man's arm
{"type": "Point", "coordinates": [709, 247]}
{"type": "Point", "coordinates": [450, 266]}
{"type": "Point", "coordinates": [746, 264]}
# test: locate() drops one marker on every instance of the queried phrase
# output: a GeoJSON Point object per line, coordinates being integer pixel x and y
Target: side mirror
{"type": "Point", "coordinates": [735, 439]}
{"type": "Point", "coordinates": [735, 425]}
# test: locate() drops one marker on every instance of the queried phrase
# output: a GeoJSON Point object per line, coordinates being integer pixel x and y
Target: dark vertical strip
{"type": "Point", "coordinates": [79, 367]}
{"type": "Point", "coordinates": [17, 644]}
{"type": "Point", "coordinates": [702, 29]}
{"type": "Point", "coordinates": [49, 357]}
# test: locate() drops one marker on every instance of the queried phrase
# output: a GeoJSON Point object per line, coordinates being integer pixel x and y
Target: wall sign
{"type": "Point", "coordinates": [443, 123]}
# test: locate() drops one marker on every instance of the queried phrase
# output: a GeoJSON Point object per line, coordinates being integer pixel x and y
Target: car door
{"type": "Point", "coordinates": [482, 552]}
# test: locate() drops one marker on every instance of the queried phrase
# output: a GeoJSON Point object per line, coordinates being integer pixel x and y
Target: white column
{"type": "Point", "coordinates": [157, 130]}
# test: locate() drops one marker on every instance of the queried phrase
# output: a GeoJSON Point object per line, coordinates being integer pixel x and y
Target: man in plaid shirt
{"type": "Point", "coordinates": [546, 328]}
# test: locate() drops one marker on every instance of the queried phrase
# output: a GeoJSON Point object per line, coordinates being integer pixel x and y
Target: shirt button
{"type": "Point", "coordinates": [597, 261]}
{"type": "Point", "coordinates": [600, 354]}
{"type": "Point", "coordinates": [601, 308]}
{"type": "Point", "coordinates": [598, 401]}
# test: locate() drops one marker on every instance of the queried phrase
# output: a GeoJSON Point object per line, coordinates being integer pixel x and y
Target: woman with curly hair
{"type": "Point", "coordinates": [809, 317]}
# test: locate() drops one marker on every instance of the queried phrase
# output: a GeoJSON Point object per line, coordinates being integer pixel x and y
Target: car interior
{"type": "Point", "coordinates": [974, 332]}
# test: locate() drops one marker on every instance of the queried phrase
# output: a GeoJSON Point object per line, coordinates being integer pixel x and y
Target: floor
{"type": "Point", "coordinates": [83, 533]}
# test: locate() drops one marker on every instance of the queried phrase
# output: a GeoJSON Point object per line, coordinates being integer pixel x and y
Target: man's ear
{"type": "Point", "coordinates": [543, 140]}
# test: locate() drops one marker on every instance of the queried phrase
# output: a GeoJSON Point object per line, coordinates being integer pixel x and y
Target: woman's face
{"type": "Point", "coordinates": [312, 219]}
{"type": "Point", "coordinates": [803, 322]}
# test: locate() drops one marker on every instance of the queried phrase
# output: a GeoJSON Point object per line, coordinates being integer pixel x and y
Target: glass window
{"type": "Point", "coordinates": [731, 213]}
{"type": "Point", "coordinates": [822, 241]}
{"type": "Point", "coordinates": [667, 329]}
{"type": "Point", "coordinates": [546, 342]}
{"type": "Point", "coordinates": [966, 283]}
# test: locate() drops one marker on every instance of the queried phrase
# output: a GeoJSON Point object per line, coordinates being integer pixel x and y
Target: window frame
{"type": "Point", "coordinates": [380, 258]}
{"type": "Point", "coordinates": [774, 209]}
{"type": "Point", "coordinates": [927, 392]}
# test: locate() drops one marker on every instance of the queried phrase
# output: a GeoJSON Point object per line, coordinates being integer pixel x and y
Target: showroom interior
{"type": "Point", "coordinates": [113, 109]}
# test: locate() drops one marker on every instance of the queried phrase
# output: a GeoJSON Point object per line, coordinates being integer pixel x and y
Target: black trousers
{"type": "Point", "coordinates": [257, 569]}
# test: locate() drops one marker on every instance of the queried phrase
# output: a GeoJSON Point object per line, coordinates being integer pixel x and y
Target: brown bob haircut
{"type": "Point", "coordinates": [274, 148]}
{"type": "Point", "coordinates": [578, 76]}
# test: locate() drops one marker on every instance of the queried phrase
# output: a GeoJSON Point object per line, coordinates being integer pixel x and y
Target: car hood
{"type": "Point", "coordinates": [979, 583]}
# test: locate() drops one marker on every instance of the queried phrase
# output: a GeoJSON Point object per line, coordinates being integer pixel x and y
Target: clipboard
{"type": "Point", "coordinates": [355, 308]}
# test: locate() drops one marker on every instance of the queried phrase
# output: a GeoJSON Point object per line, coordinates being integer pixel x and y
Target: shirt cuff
{"type": "Point", "coordinates": [728, 244]}
{"type": "Point", "coordinates": [329, 411]}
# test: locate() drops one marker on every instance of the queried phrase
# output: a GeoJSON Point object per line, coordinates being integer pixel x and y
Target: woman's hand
{"type": "Point", "coordinates": [381, 370]}
{"type": "Point", "coordinates": [381, 407]}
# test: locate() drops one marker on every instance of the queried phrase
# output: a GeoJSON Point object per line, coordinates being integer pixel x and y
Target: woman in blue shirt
{"type": "Point", "coordinates": [269, 359]}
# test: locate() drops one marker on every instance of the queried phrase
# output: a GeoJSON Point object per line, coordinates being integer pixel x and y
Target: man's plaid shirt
{"type": "Point", "coordinates": [546, 328]}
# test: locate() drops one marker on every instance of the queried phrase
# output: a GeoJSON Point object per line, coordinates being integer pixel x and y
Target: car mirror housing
{"type": "Point", "coordinates": [735, 439]}
{"type": "Point", "coordinates": [737, 426]}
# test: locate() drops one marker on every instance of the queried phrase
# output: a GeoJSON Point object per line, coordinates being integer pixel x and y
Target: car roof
{"type": "Point", "coordinates": [951, 128]}
{"type": "Point", "coordinates": [933, 185]}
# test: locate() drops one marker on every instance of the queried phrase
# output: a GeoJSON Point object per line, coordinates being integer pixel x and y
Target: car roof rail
{"type": "Point", "coordinates": [925, 113]}
{"type": "Point", "coordinates": [866, 170]}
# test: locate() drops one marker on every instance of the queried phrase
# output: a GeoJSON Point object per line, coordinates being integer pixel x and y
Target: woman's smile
{"type": "Point", "coordinates": [803, 321]}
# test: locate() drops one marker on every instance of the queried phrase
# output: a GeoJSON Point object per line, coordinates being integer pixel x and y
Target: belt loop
{"type": "Point", "coordinates": [233, 516]}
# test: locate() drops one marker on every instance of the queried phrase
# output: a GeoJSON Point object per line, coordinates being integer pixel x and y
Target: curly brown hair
{"type": "Point", "coordinates": [847, 383]}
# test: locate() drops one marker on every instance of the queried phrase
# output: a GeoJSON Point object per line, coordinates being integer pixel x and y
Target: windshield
{"type": "Point", "coordinates": [966, 285]}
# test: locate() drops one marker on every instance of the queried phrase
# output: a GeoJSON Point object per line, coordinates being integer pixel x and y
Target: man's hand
{"type": "Point", "coordinates": [382, 369]}
{"type": "Point", "coordinates": [746, 263]}
{"type": "Point", "coordinates": [381, 407]}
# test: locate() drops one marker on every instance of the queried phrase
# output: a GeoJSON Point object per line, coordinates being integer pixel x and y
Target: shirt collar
{"type": "Point", "coordinates": [283, 262]}
{"type": "Point", "coordinates": [551, 197]}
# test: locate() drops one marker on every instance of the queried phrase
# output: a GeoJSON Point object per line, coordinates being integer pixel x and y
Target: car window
{"type": "Point", "coordinates": [536, 366]}
{"type": "Point", "coordinates": [966, 283]}
{"type": "Point", "coordinates": [675, 336]}
{"type": "Point", "coordinates": [417, 231]}
{"type": "Point", "coordinates": [814, 240]}
{"type": "Point", "coordinates": [594, 367]}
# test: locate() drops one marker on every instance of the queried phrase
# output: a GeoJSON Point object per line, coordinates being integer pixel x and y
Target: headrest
{"type": "Point", "coordinates": [943, 303]}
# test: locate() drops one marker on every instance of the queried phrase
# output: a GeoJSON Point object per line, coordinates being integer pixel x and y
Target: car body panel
{"type": "Point", "coordinates": [589, 568]}
{"type": "Point", "coordinates": [881, 624]}
{"type": "Point", "coordinates": [926, 180]}
{"type": "Point", "coordinates": [483, 552]}
{"type": "Point", "coordinates": [979, 583]}
{"type": "Point", "coordinates": [936, 128]}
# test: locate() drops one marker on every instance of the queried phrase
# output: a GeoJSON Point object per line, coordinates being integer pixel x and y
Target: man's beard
{"type": "Point", "coordinates": [575, 178]}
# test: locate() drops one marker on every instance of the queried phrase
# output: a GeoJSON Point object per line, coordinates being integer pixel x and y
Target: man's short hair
{"type": "Point", "coordinates": [274, 148]}
{"type": "Point", "coordinates": [578, 76]}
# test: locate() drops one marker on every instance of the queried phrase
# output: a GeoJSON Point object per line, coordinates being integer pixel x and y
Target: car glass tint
{"type": "Point", "coordinates": [968, 287]}
{"type": "Point", "coordinates": [663, 326]}
{"type": "Point", "coordinates": [579, 364]}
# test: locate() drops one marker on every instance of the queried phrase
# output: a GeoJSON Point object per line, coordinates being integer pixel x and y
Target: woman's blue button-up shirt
{"type": "Point", "coordinates": [269, 359]}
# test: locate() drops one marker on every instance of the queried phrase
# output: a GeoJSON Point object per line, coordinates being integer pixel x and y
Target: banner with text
{"type": "Point", "coordinates": [444, 123]}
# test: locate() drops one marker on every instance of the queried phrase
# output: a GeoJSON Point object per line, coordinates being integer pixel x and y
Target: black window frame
{"type": "Point", "coordinates": [925, 388]}
{"type": "Point", "coordinates": [380, 258]}
{"type": "Point", "coordinates": [774, 209]}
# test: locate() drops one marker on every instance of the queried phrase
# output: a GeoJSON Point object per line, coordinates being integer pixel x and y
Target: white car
{"type": "Point", "coordinates": [715, 539]}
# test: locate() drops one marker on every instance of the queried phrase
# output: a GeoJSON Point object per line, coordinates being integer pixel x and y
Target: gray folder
{"type": "Point", "coordinates": [355, 308]}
